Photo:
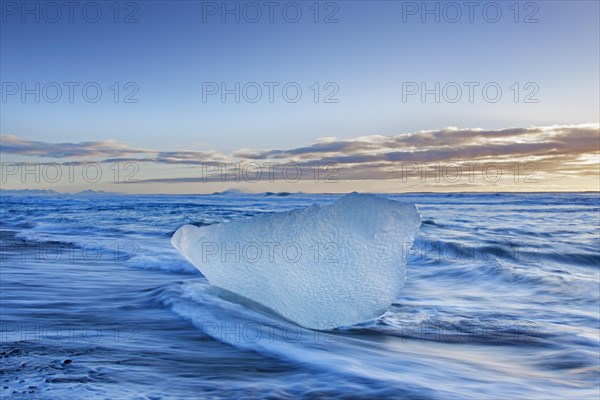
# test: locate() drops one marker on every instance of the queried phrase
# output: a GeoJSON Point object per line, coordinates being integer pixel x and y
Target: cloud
{"type": "Point", "coordinates": [11, 144]}
{"type": "Point", "coordinates": [559, 149]}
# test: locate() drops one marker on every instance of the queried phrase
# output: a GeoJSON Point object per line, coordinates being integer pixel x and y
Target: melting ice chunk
{"type": "Point", "coordinates": [320, 267]}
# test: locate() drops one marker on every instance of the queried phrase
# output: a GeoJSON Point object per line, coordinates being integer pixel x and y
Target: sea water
{"type": "Point", "coordinates": [501, 300]}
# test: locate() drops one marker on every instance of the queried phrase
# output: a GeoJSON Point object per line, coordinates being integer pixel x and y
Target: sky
{"type": "Point", "coordinates": [195, 97]}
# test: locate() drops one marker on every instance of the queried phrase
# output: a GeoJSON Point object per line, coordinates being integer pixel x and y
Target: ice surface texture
{"type": "Point", "coordinates": [320, 267]}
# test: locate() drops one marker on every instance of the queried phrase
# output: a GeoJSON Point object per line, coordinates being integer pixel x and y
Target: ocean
{"type": "Point", "coordinates": [501, 300]}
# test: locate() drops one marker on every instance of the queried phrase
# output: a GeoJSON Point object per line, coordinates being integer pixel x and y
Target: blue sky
{"type": "Point", "coordinates": [367, 55]}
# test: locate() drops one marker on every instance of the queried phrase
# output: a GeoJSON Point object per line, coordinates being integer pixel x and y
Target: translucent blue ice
{"type": "Point", "coordinates": [320, 267]}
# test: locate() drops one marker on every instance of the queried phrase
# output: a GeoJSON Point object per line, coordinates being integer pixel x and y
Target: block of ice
{"type": "Point", "coordinates": [320, 267]}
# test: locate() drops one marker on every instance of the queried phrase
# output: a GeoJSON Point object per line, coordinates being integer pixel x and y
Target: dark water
{"type": "Point", "coordinates": [501, 301]}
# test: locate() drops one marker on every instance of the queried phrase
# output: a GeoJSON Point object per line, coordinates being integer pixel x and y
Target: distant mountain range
{"type": "Point", "coordinates": [89, 192]}
{"type": "Point", "coordinates": [237, 192]}
{"type": "Point", "coordinates": [48, 192]}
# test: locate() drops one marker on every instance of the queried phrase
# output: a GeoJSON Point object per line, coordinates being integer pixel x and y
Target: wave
{"type": "Point", "coordinates": [167, 261]}
{"type": "Point", "coordinates": [386, 357]}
